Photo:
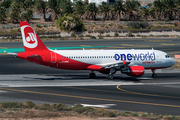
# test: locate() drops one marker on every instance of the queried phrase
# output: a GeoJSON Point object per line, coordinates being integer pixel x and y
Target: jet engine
{"type": "Point", "coordinates": [136, 71]}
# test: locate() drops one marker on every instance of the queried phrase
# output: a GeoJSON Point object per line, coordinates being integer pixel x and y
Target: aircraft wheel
{"type": "Point", "coordinates": [110, 76]}
{"type": "Point", "coordinates": [154, 75]}
{"type": "Point", "coordinates": [92, 75]}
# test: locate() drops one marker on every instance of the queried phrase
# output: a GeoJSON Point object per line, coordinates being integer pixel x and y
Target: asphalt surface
{"type": "Point", "coordinates": [169, 45]}
{"type": "Point", "coordinates": [22, 81]}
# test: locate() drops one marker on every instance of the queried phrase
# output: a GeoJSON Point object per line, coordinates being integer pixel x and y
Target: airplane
{"type": "Point", "coordinates": [128, 61]}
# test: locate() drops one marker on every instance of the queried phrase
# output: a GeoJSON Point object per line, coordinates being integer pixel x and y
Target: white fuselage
{"type": "Point", "coordinates": [146, 58]}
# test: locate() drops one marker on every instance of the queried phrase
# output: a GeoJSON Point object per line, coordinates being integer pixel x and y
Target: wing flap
{"type": "Point", "coordinates": [117, 65]}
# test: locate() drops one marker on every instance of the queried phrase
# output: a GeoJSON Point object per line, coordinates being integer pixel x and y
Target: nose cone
{"type": "Point", "coordinates": [172, 62]}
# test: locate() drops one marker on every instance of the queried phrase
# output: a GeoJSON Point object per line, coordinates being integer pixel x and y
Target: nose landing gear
{"type": "Point", "coordinates": [153, 73]}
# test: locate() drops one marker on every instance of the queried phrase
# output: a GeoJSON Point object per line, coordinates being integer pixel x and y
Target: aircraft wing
{"type": "Point", "coordinates": [118, 65]}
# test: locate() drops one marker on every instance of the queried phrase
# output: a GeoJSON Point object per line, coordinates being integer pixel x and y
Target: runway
{"type": "Point", "coordinates": [169, 45]}
{"type": "Point", "coordinates": [22, 81]}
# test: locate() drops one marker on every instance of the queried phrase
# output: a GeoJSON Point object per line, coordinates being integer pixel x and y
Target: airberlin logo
{"type": "Point", "coordinates": [29, 37]}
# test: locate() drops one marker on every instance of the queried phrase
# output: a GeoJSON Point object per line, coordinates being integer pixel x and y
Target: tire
{"type": "Point", "coordinates": [110, 76]}
{"type": "Point", "coordinates": [92, 75]}
{"type": "Point", "coordinates": [154, 75]}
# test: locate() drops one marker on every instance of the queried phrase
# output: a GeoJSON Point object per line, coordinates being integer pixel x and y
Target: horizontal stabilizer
{"type": "Point", "coordinates": [12, 54]}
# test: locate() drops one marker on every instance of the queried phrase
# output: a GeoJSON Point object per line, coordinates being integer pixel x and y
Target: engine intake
{"type": "Point", "coordinates": [136, 71]}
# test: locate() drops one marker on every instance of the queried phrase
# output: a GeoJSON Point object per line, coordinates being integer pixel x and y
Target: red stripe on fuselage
{"type": "Point", "coordinates": [61, 62]}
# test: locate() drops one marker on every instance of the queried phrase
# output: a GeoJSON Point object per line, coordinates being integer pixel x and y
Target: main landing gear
{"type": "Point", "coordinates": [110, 75]}
{"type": "Point", "coordinates": [92, 75]}
{"type": "Point", "coordinates": [153, 73]}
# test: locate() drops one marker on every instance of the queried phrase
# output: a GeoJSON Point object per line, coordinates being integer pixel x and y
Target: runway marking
{"type": "Point", "coordinates": [116, 47]}
{"type": "Point", "coordinates": [99, 106]}
{"type": "Point", "coordinates": [127, 45]}
{"type": "Point", "coordinates": [3, 48]}
{"type": "Point", "coordinates": [158, 40]}
{"type": "Point", "coordinates": [142, 46]}
{"type": "Point", "coordinates": [91, 98]}
{"type": "Point", "coordinates": [144, 93]}
{"type": "Point", "coordinates": [92, 89]}
{"type": "Point", "coordinates": [167, 44]}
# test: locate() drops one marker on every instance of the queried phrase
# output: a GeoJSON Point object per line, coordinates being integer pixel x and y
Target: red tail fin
{"type": "Point", "coordinates": [30, 39]}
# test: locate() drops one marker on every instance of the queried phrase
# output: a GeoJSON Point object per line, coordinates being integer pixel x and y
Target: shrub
{"type": "Point", "coordinates": [151, 35]}
{"type": "Point", "coordinates": [109, 114]}
{"type": "Point", "coordinates": [120, 26]}
{"type": "Point", "coordinates": [100, 37]}
{"type": "Point", "coordinates": [108, 35]}
{"type": "Point", "coordinates": [83, 109]}
{"type": "Point", "coordinates": [80, 35]}
{"type": "Point", "coordinates": [138, 35]}
{"type": "Point", "coordinates": [110, 24]}
{"type": "Point", "coordinates": [73, 35]}
{"type": "Point", "coordinates": [92, 37]}
{"type": "Point", "coordinates": [44, 106]}
{"type": "Point", "coordinates": [129, 34]}
{"type": "Point", "coordinates": [116, 34]}
{"type": "Point", "coordinates": [175, 24]}
{"type": "Point", "coordinates": [39, 26]}
{"type": "Point", "coordinates": [70, 22]}
{"type": "Point", "coordinates": [61, 107]}
{"type": "Point", "coordinates": [88, 35]}
{"type": "Point", "coordinates": [144, 115]}
{"type": "Point", "coordinates": [29, 104]}
{"type": "Point", "coordinates": [167, 19]}
{"type": "Point", "coordinates": [134, 114]}
{"type": "Point", "coordinates": [11, 105]}
{"type": "Point", "coordinates": [52, 25]}
{"type": "Point", "coordinates": [138, 24]}
{"type": "Point", "coordinates": [77, 106]}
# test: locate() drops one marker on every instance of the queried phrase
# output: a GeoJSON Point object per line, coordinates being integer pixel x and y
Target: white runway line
{"type": "Point", "coordinates": [35, 80]}
{"type": "Point", "coordinates": [99, 106]}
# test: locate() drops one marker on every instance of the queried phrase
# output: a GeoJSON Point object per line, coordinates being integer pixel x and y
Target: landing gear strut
{"type": "Point", "coordinates": [153, 73]}
{"type": "Point", "coordinates": [110, 75]}
{"type": "Point", "coordinates": [92, 75]}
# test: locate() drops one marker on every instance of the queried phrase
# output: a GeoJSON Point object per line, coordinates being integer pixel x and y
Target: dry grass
{"type": "Point", "coordinates": [177, 63]}
{"type": "Point", "coordinates": [30, 111]}
{"type": "Point", "coordinates": [33, 113]}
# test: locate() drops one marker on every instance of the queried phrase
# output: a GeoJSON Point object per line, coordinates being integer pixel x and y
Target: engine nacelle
{"type": "Point", "coordinates": [136, 71]}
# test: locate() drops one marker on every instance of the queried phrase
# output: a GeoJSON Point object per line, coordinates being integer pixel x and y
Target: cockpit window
{"type": "Point", "coordinates": [167, 56]}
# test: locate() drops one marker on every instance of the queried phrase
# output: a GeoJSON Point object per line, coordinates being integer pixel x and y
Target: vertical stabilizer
{"type": "Point", "coordinates": [31, 40]}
